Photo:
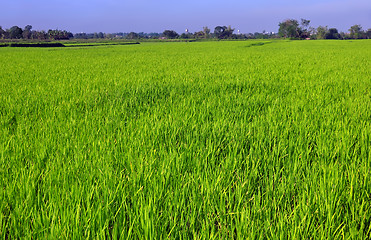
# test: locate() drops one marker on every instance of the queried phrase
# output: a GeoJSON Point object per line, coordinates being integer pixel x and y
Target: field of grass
{"type": "Point", "coordinates": [187, 140]}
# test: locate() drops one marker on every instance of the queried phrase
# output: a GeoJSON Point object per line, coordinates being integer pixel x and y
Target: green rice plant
{"type": "Point", "coordinates": [202, 140]}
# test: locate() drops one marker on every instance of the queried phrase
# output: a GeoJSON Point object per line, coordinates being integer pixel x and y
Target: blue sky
{"type": "Point", "coordinates": [156, 16]}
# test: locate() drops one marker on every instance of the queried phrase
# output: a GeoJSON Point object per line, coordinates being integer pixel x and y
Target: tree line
{"type": "Point", "coordinates": [290, 28]}
{"type": "Point", "coordinates": [16, 32]}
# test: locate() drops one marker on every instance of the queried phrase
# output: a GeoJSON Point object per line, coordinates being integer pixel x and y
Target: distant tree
{"type": "Point", "coordinates": [356, 31]}
{"type": "Point", "coordinates": [59, 34]}
{"type": "Point", "coordinates": [27, 32]}
{"type": "Point", "coordinates": [6, 34]}
{"type": "Point", "coordinates": [258, 35]}
{"type": "Point", "coordinates": [332, 34]}
{"type": "Point", "coordinates": [142, 35]}
{"type": "Point", "coordinates": [289, 28]}
{"type": "Point", "coordinates": [249, 35]}
{"type": "Point", "coordinates": [81, 35]}
{"type": "Point", "coordinates": [305, 23]}
{"type": "Point", "coordinates": [1, 32]}
{"type": "Point", "coordinates": [343, 35]}
{"type": "Point", "coordinates": [108, 35]}
{"type": "Point", "coordinates": [28, 28]}
{"type": "Point", "coordinates": [368, 33]}
{"type": "Point", "coordinates": [229, 31]}
{"type": "Point", "coordinates": [132, 35]}
{"type": "Point", "coordinates": [241, 36]}
{"type": "Point", "coordinates": [223, 32]}
{"type": "Point", "coordinates": [321, 32]}
{"type": "Point", "coordinates": [69, 35]}
{"type": "Point", "coordinates": [184, 35]}
{"type": "Point", "coordinates": [304, 30]}
{"type": "Point", "coordinates": [206, 31]}
{"type": "Point", "coordinates": [200, 34]}
{"type": "Point", "coordinates": [153, 35]}
{"type": "Point", "coordinates": [218, 30]}
{"type": "Point", "coordinates": [100, 35]}
{"type": "Point", "coordinates": [15, 32]}
{"type": "Point", "coordinates": [40, 35]}
{"type": "Point", "coordinates": [170, 34]}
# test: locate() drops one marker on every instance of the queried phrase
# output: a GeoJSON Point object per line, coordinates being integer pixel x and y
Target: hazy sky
{"type": "Point", "coordinates": [156, 16]}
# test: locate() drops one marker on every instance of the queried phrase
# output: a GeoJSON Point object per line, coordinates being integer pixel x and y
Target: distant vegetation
{"type": "Point", "coordinates": [44, 44]}
{"type": "Point", "coordinates": [16, 32]}
{"type": "Point", "coordinates": [290, 28]}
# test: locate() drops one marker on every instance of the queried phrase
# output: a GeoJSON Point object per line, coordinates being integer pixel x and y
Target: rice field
{"type": "Point", "coordinates": [198, 140]}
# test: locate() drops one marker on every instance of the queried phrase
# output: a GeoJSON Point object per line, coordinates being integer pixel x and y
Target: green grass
{"type": "Point", "coordinates": [203, 140]}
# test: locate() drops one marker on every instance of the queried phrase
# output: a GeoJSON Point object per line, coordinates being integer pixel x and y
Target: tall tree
{"type": "Point", "coordinates": [229, 31]}
{"type": "Point", "coordinates": [356, 31]}
{"type": "Point", "coordinates": [40, 35]}
{"type": "Point", "coordinates": [223, 32]}
{"type": "Point", "coordinates": [206, 31]}
{"type": "Point", "coordinates": [1, 32]}
{"type": "Point", "coordinates": [305, 23]}
{"type": "Point", "coordinates": [289, 28]}
{"type": "Point", "coordinates": [304, 28]}
{"type": "Point", "coordinates": [321, 32]}
{"type": "Point", "coordinates": [27, 32]}
{"type": "Point", "coordinates": [15, 32]}
{"type": "Point", "coordinates": [170, 34]}
{"type": "Point", "coordinates": [218, 30]}
{"type": "Point", "coordinates": [332, 34]}
{"type": "Point", "coordinates": [368, 33]}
